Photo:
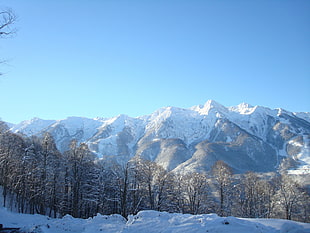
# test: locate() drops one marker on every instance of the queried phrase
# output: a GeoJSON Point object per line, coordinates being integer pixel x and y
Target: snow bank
{"type": "Point", "coordinates": [149, 221]}
{"type": "Point", "coordinates": [153, 221]}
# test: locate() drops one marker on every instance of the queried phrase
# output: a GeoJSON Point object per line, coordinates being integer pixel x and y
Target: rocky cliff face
{"type": "Point", "coordinates": [185, 140]}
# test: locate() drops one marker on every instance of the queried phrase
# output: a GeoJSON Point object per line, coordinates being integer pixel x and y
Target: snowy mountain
{"type": "Point", "coordinates": [246, 137]}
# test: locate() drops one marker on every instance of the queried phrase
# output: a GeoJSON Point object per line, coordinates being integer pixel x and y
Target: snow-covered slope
{"type": "Point", "coordinates": [33, 126]}
{"type": "Point", "coordinates": [246, 137]}
{"type": "Point", "coordinates": [148, 222]}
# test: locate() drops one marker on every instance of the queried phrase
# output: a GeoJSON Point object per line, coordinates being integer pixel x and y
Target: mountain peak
{"type": "Point", "coordinates": [243, 108]}
{"type": "Point", "coordinates": [209, 106]}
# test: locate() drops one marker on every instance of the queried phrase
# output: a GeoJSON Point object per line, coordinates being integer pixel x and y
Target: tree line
{"type": "Point", "coordinates": [36, 178]}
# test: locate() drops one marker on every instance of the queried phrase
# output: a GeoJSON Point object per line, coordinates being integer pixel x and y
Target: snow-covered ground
{"type": "Point", "coordinates": [149, 221]}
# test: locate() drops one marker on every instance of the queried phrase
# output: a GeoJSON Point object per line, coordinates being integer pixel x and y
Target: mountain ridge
{"type": "Point", "coordinates": [245, 136]}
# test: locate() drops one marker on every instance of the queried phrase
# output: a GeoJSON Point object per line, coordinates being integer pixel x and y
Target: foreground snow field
{"type": "Point", "coordinates": [149, 221]}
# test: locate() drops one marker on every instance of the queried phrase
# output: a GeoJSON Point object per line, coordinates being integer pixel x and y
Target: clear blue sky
{"type": "Point", "coordinates": [108, 57]}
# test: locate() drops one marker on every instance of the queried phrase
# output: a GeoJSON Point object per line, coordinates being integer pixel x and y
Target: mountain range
{"type": "Point", "coordinates": [248, 138]}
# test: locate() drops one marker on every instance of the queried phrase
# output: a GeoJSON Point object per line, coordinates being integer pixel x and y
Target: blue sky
{"type": "Point", "coordinates": [109, 57]}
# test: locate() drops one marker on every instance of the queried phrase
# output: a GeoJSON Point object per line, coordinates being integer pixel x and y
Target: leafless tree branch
{"type": "Point", "coordinates": [7, 20]}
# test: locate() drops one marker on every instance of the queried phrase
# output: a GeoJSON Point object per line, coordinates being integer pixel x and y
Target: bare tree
{"type": "Point", "coordinates": [289, 196]}
{"type": "Point", "coordinates": [222, 175]}
{"type": "Point", "coordinates": [11, 149]}
{"type": "Point", "coordinates": [7, 21]}
{"type": "Point", "coordinates": [152, 179]}
{"type": "Point", "coordinates": [195, 192]}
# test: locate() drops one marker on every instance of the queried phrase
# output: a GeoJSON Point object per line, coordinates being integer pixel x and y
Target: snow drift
{"type": "Point", "coordinates": [149, 221]}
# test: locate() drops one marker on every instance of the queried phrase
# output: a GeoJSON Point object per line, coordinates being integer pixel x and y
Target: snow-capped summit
{"type": "Point", "coordinates": [244, 136]}
{"type": "Point", "coordinates": [243, 108]}
{"type": "Point", "coordinates": [208, 107]}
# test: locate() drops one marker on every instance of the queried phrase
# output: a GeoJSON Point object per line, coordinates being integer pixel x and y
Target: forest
{"type": "Point", "coordinates": [35, 177]}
